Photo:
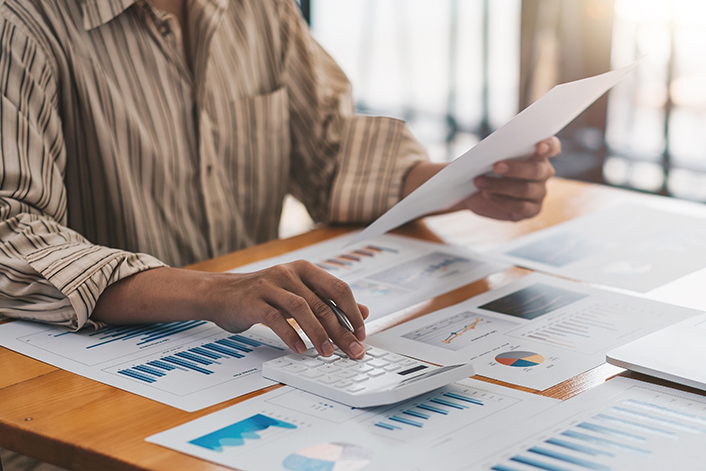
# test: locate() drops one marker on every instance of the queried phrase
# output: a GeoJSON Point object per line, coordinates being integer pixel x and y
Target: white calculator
{"type": "Point", "coordinates": [380, 377]}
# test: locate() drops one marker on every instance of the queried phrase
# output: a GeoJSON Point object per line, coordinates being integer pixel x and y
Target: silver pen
{"type": "Point", "coordinates": [342, 318]}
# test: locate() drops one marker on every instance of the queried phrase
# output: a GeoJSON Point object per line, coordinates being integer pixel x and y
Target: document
{"type": "Point", "coordinates": [515, 139]}
{"type": "Point", "coordinates": [535, 332]}
{"type": "Point", "coordinates": [633, 247]}
{"type": "Point", "coordinates": [619, 425]}
{"type": "Point", "coordinates": [288, 429]}
{"type": "Point", "coordinates": [187, 365]}
{"type": "Point", "coordinates": [390, 272]}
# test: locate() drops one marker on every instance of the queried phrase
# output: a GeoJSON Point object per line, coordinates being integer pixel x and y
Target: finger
{"type": "Point", "coordinates": [364, 311]}
{"type": "Point", "coordinates": [338, 333]}
{"type": "Point", "coordinates": [536, 168]}
{"type": "Point", "coordinates": [502, 207]}
{"type": "Point", "coordinates": [325, 284]}
{"type": "Point", "coordinates": [273, 318]}
{"type": "Point", "coordinates": [548, 147]}
{"type": "Point", "coordinates": [295, 306]}
{"type": "Point", "coordinates": [513, 187]}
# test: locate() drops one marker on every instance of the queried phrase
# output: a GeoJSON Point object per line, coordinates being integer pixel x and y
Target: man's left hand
{"type": "Point", "coordinates": [521, 188]}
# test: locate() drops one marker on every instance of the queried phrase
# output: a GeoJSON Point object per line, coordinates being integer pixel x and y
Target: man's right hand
{"type": "Point", "coordinates": [236, 301]}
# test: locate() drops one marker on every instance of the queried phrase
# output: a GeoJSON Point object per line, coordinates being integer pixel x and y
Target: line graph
{"type": "Point", "coordinates": [460, 331]}
{"type": "Point", "coordinates": [454, 335]}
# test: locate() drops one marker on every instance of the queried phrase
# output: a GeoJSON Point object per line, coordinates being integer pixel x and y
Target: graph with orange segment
{"type": "Point", "coordinates": [519, 359]}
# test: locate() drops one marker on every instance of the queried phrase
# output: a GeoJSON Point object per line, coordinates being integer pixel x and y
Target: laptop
{"type": "Point", "coordinates": [676, 353]}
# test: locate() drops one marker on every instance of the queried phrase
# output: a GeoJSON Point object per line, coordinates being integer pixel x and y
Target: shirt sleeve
{"type": "Point", "coordinates": [48, 272]}
{"type": "Point", "coordinates": [346, 168]}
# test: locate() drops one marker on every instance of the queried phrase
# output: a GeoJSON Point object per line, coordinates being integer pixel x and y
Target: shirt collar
{"type": "Point", "coordinates": [99, 12]}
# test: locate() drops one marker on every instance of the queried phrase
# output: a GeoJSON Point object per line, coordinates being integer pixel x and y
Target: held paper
{"type": "Point", "coordinates": [515, 139]}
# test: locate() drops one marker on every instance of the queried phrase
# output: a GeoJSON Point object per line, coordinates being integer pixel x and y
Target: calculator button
{"type": "Point", "coordinates": [393, 357]}
{"type": "Point", "coordinates": [407, 362]}
{"type": "Point", "coordinates": [361, 368]}
{"type": "Point", "coordinates": [360, 378]}
{"type": "Point", "coordinates": [330, 359]}
{"type": "Point", "coordinates": [356, 388]}
{"type": "Point", "coordinates": [375, 352]}
{"type": "Point", "coordinates": [311, 353]}
{"type": "Point", "coordinates": [392, 367]}
{"type": "Point", "coordinates": [328, 369]}
{"type": "Point", "coordinates": [328, 379]}
{"type": "Point", "coordinates": [345, 374]}
{"type": "Point", "coordinates": [279, 363]}
{"type": "Point", "coordinates": [295, 368]}
{"type": "Point", "coordinates": [377, 363]}
{"type": "Point", "coordinates": [365, 358]}
{"type": "Point", "coordinates": [304, 360]}
{"type": "Point", "coordinates": [312, 374]}
{"type": "Point", "coordinates": [376, 372]}
{"type": "Point", "coordinates": [345, 363]}
{"type": "Point", "coordinates": [343, 384]}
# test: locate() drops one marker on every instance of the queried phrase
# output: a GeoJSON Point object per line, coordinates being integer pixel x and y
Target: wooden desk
{"type": "Point", "coordinates": [81, 424]}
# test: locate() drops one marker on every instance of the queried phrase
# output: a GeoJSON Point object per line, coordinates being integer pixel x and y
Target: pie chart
{"type": "Point", "coordinates": [519, 359]}
{"type": "Point", "coordinates": [334, 456]}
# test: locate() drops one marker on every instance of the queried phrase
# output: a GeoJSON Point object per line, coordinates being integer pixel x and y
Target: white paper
{"type": "Point", "coordinates": [174, 363]}
{"type": "Point", "coordinates": [535, 332]}
{"type": "Point", "coordinates": [288, 429]}
{"type": "Point", "coordinates": [622, 424]}
{"type": "Point", "coordinates": [390, 272]}
{"type": "Point", "coordinates": [517, 138]}
{"type": "Point", "coordinates": [632, 247]}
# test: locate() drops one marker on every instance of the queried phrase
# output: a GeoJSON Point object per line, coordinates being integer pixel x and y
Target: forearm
{"type": "Point", "coordinates": [419, 174]}
{"type": "Point", "coordinates": [156, 295]}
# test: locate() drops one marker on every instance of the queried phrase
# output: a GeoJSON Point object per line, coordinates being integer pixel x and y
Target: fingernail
{"type": "Point", "coordinates": [501, 168]}
{"type": "Point", "coordinates": [543, 148]}
{"type": "Point", "coordinates": [356, 349]}
{"type": "Point", "coordinates": [327, 349]}
{"type": "Point", "coordinates": [299, 347]}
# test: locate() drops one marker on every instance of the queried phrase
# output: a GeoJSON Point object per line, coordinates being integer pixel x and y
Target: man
{"type": "Point", "coordinates": [143, 135]}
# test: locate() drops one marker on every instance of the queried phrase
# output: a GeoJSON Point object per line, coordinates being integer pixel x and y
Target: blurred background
{"type": "Point", "coordinates": [456, 70]}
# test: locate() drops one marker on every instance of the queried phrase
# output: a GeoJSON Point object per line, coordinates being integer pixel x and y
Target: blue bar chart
{"type": "Point", "coordinates": [643, 428]}
{"type": "Point", "coordinates": [205, 359]}
{"type": "Point", "coordinates": [432, 413]}
{"type": "Point", "coordinates": [189, 365]}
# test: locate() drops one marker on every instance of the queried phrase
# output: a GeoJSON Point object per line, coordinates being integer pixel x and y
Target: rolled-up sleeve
{"type": "Point", "coordinates": [48, 272]}
{"type": "Point", "coordinates": [345, 167]}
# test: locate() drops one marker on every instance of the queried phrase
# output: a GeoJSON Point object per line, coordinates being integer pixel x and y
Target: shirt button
{"type": "Point", "coordinates": [209, 169]}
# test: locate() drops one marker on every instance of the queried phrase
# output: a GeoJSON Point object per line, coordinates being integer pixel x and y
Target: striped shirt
{"type": "Point", "coordinates": [119, 154]}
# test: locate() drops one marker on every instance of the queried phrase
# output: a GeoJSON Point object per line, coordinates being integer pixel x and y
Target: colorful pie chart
{"type": "Point", "coordinates": [519, 359]}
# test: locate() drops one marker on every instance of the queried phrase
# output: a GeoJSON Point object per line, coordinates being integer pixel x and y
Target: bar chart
{"type": "Point", "coordinates": [435, 413]}
{"type": "Point", "coordinates": [591, 328]}
{"type": "Point", "coordinates": [189, 365]}
{"type": "Point", "coordinates": [643, 428]}
{"type": "Point", "coordinates": [390, 272]}
{"type": "Point", "coordinates": [198, 364]}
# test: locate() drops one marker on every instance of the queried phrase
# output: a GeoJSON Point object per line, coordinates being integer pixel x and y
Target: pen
{"type": "Point", "coordinates": [342, 318]}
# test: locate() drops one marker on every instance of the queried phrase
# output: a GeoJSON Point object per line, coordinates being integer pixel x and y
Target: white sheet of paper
{"type": "Point", "coordinates": [187, 365]}
{"type": "Point", "coordinates": [515, 139]}
{"type": "Point", "coordinates": [535, 332]}
{"type": "Point", "coordinates": [623, 424]}
{"type": "Point", "coordinates": [288, 429]}
{"type": "Point", "coordinates": [391, 272]}
{"type": "Point", "coordinates": [631, 246]}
